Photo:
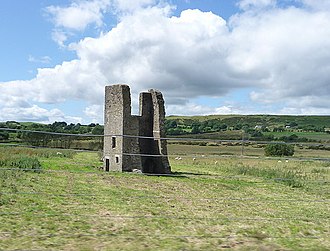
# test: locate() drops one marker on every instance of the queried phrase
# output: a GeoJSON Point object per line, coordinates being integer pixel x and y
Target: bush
{"type": "Point", "coordinates": [279, 150]}
{"type": "Point", "coordinates": [4, 135]}
{"type": "Point", "coordinates": [291, 138]}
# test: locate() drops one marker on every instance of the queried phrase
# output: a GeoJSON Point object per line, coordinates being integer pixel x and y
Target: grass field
{"type": "Point", "coordinates": [317, 136]}
{"type": "Point", "coordinates": [67, 203]}
{"type": "Point", "coordinates": [236, 149]}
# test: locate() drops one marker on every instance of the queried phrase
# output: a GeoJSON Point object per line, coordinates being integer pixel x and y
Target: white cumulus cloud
{"type": "Point", "coordinates": [317, 4]}
{"type": "Point", "coordinates": [79, 14]}
{"type": "Point", "coordinates": [131, 6]}
{"type": "Point", "coordinates": [256, 4]}
{"type": "Point", "coordinates": [60, 37]}
{"type": "Point", "coordinates": [43, 59]}
{"type": "Point", "coordinates": [282, 54]}
{"type": "Point", "coordinates": [94, 112]}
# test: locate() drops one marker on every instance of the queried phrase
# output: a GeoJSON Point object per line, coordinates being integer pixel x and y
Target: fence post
{"type": "Point", "coordinates": [242, 143]}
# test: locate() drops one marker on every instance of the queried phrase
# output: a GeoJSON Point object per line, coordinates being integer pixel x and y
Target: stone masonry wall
{"type": "Point", "coordinates": [128, 153]}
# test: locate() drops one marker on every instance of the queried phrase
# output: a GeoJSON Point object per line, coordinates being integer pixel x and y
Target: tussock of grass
{"type": "Point", "coordinates": [22, 162]}
{"type": "Point", "coordinates": [27, 158]}
{"type": "Point", "coordinates": [292, 178]}
{"type": "Point", "coordinates": [45, 153]}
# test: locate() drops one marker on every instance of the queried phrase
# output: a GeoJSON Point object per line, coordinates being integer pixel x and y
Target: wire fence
{"type": "Point", "coordinates": [156, 236]}
{"type": "Point", "coordinates": [88, 135]}
{"type": "Point", "coordinates": [249, 199]}
{"type": "Point", "coordinates": [39, 142]}
{"type": "Point", "coordinates": [192, 157]}
{"type": "Point", "coordinates": [173, 175]}
{"type": "Point", "coordinates": [172, 217]}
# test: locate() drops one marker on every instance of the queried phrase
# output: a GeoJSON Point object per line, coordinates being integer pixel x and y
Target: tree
{"type": "Point", "coordinates": [291, 138]}
{"type": "Point", "coordinates": [175, 131]}
{"type": "Point", "coordinates": [195, 130]}
{"type": "Point", "coordinates": [170, 125]}
{"type": "Point", "coordinates": [98, 130]}
{"type": "Point", "coordinates": [4, 135]}
{"type": "Point", "coordinates": [238, 126]}
{"type": "Point", "coordinates": [35, 138]}
{"type": "Point", "coordinates": [278, 129]}
{"type": "Point", "coordinates": [279, 150]}
{"type": "Point", "coordinates": [13, 124]}
{"type": "Point", "coordinates": [293, 124]}
{"type": "Point", "coordinates": [256, 134]}
{"type": "Point", "coordinates": [58, 126]}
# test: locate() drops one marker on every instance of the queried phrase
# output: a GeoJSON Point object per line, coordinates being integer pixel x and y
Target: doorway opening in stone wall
{"type": "Point", "coordinates": [107, 164]}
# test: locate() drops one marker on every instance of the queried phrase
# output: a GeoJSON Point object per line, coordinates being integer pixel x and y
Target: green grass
{"type": "Point", "coordinates": [229, 204]}
{"type": "Point", "coordinates": [318, 136]}
{"type": "Point", "coordinates": [224, 135]}
{"type": "Point", "coordinates": [235, 149]}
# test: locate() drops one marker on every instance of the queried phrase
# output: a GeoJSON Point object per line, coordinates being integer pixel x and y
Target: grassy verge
{"type": "Point", "coordinates": [233, 203]}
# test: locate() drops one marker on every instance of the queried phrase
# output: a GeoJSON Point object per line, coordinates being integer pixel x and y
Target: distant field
{"type": "Point", "coordinates": [68, 203]}
{"type": "Point", "coordinates": [203, 118]}
{"type": "Point", "coordinates": [236, 149]}
{"type": "Point", "coordinates": [318, 136]}
{"type": "Point", "coordinates": [225, 135]}
{"type": "Point", "coordinates": [237, 135]}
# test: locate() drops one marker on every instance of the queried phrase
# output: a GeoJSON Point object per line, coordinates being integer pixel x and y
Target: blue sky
{"type": "Point", "coordinates": [206, 56]}
{"type": "Point", "coordinates": [27, 29]}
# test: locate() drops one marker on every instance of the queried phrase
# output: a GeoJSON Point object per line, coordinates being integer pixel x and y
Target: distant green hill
{"type": "Point", "coordinates": [255, 127]}
{"type": "Point", "coordinates": [262, 120]}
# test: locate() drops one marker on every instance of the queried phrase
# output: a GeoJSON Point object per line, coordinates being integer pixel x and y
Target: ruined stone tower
{"type": "Point", "coordinates": [134, 142]}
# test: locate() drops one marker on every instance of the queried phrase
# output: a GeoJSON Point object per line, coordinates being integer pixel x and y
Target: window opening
{"type": "Point", "coordinates": [113, 142]}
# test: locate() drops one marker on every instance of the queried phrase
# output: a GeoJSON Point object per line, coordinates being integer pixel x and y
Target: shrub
{"type": "Point", "coordinates": [279, 150]}
{"type": "Point", "coordinates": [4, 135]}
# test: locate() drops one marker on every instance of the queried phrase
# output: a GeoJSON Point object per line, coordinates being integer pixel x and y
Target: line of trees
{"type": "Point", "coordinates": [252, 130]}
{"type": "Point", "coordinates": [52, 140]}
{"type": "Point", "coordinates": [194, 126]}
{"type": "Point", "coordinates": [59, 127]}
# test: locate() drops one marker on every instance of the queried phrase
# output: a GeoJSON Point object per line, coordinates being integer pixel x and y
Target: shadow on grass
{"type": "Point", "coordinates": [178, 174]}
